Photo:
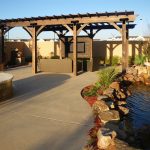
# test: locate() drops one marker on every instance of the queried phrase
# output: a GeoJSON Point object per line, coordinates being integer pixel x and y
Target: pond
{"type": "Point", "coordinates": [139, 105]}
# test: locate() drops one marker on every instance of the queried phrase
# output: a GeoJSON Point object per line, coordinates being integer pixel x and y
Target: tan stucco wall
{"type": "Point", "coordinates": [49, 48]}
{"type": "Point", "coordinates": [9, 46]}
{"type": "Point", "coordinates": [117, 51]}
{"type": "Point", "coordinates": [45, 49]}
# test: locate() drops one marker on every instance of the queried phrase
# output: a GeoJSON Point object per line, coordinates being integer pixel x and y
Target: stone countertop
{"type": "Point", "coordinates": [5, 77]}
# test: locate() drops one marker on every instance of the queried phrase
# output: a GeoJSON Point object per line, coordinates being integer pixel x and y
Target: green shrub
{"type": "Point", "coordinates": [139, 60]}
{"type": "Point", "coordinates": [115, 60]}
{"type": "Point", "coordinates": [106, 77]}
{"type": "Point", "coordinates": [91, 92]}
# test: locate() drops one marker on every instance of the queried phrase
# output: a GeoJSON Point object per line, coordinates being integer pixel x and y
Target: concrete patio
{"type": "Point", "coordinates": [46, 112]}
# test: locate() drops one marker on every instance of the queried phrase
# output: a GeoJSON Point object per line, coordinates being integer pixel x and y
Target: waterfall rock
{"type": "Point", "coordinates": [109, 115]}
{"type": "Point", "coordinates": [115, 85]}
{"type": "Point", "coordinates": [105, 138]}
{"type": "Point", "coordinates": [99, 106]}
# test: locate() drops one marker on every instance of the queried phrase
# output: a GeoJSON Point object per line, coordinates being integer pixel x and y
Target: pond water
{"type": "Point", "coordinates": [139, 105]}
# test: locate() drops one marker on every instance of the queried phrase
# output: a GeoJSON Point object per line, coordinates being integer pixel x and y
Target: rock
{"type": "Point", "coordinates": [109, 116]}
{"type": "Point", "coordinates": [128, 93]}
{"type": "Point", "coordinates": [101, 97]}
{"type": "Point", "coordinates": [121, 95]}
{"type": "Point", "coordinates": [119, 103]}
{"type": "Point", "coordinates": [141, 70]}
{"type": "Point", "coordinates": [88, 147]}
{"type": "Point", "coordinates": [123, 110]}
{"type": "Point", "coordinates": [110, 104]}
{"type": "Point", "coordinates": [136, 79]}
{"type": "Point", "coordinates": [99, 106]}
{"type": "Point", "coordinates": [112, 125]}
{"type": "Point", "coordinates": [100, 92]}
{"type": "Point", "coordinates": [147, 82]}
{"type": "Point", "coordinates": [144, 75]}
{"type": "Point", "coordinates": [105, 138]}
{"type": "Point", "coordinates": [108, 92]}
{"type": "Point", "coordinates": [115, 85]}
{"type": "Point", "coordinates": [141, 79]}
{"type": "Point", "coordinates": [132, 71]}
{"type": "Point", "coordinates": [129, 76]}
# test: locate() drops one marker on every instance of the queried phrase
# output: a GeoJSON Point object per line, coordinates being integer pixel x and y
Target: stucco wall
{"type": "Point", "coordinates": [101, 49]}
{"type": "Point", "coordinates": [45, 48]}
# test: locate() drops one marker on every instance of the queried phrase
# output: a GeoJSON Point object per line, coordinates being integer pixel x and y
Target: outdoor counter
{"type": "Point", "coordinates": [6, 89]}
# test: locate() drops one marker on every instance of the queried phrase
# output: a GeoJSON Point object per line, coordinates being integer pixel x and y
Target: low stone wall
{"type": "Point", "coordinates": [56, 65]}
{"type": "Point", "coordinates": [6, 89]}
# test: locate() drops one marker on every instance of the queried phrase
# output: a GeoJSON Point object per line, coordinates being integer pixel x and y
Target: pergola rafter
{"type": "Point", "coordinates": [91, 23]}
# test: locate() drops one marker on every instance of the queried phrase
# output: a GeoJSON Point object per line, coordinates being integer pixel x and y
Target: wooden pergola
{"type": "Point", "coordinates": [61, 25]}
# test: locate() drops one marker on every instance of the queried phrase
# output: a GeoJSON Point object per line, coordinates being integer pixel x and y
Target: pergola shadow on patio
{"type": "Point", "coordinates": [61, 25]}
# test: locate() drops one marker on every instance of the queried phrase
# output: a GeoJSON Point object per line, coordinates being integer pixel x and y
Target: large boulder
{"type": "Point", "coordinates": [132, 71]}
{"type": "Point", "coordinates": [141, 69]}
{"type": "Point", "coordinates": [102, 97]}
{"type": "Point", "coordinates": [119, 103]}
{"type": "Point", "coordinates": [110, 104]}
{"type": "Point", "coordinates": [109, 116]}
{"type": "Point", "coordinates": [108, 92]}
{"type": "Point", "coordinates": [123, 110]}
{"type": "Point", "coordinates": [113, 125]}
{"type": "Point", "coordinates": [115, 85]}
{"type": "Point", "coordinates": [105, 138]}
{"type": "Point", "coordinates": [121, 95]}
{"type": "Point", "coordinates": [99, 106]}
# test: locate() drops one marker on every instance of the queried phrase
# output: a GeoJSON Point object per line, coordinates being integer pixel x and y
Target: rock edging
{"type": "Point", "coordinates": [109, 108]}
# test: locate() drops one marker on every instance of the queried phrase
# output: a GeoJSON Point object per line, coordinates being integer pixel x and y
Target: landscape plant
{"type": "Point", "coordinates": [105, 77]}
{"type": "Point", "coordinates": [140, 60]}
{"type": "Point", "coordinates": [115, 60]}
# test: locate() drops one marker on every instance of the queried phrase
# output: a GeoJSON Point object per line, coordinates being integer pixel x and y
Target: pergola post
{"type": "Point", "coordinates": [111, 53]}
{"type": "Point", "coordinates": [91, 50]}
{"type": "Point", "coordinates": [60, 46]}
{"type": "Point", "coordinates": [34, 50]}
{"type": "Point", "coordinates": [91, 55]}
{"type": "Point", "coordinates": [124, 47]}
{"type": "Point", "coordinates": [75, 49]}
{"type": "Point", "coordinates": [1, 45]}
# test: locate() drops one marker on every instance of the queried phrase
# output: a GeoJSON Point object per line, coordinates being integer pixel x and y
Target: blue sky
{"type": "Point", "coordinates": [34, 8]}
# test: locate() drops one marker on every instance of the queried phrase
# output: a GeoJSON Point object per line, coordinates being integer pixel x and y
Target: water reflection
{"type": "Point", "coordinates": [139, 105]}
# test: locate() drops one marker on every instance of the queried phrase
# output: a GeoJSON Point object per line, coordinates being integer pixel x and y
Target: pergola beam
{"type": "Point", "coordinates": [62, 21]}
{"type": "Point", "coordinates": [116, 26]}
